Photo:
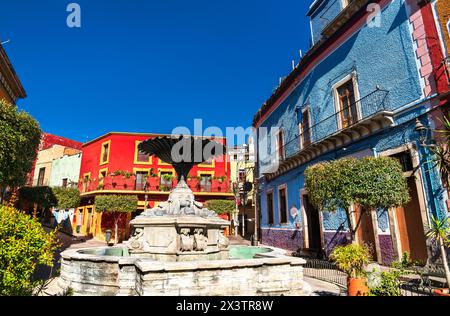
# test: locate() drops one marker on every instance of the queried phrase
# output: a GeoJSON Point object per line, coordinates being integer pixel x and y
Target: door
{"type": "Point", "coordinates": [313, 222]}
{"type": "Point", "coordinates": [365, 231]}
{"type": "Point", "coordinates": [347, 104]}
{"type": "Point", "coordinates": [89, 221]}
{"type": "Point", "coordinates": [410, 226]}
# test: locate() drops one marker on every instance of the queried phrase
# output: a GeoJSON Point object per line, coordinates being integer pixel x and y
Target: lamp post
{"type": "Point", "coordinates": [423, 132]}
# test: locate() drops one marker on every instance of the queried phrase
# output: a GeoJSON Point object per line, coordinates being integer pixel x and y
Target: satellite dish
{"type": "Point", "coordinates": [294, 212]}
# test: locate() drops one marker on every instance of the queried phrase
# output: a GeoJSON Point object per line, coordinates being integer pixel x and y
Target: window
{"type": "Point", "coordinates": [104, 155]}
{"type": "Point", "coordinates": [41, 177]}
{"type": "Point", "coordinates": [141, 180]}
{"type": "Point", "coordinates": [166, 179]}
{"type": "Point", "coordinates": [282, 201]}
{"type": "Point", "coordinates": [208, 164]}
{"type": "Point", "coordinates": [64, 183]}
{"type": "Point", "coordinates": [141, 157]}
{"type": "Point", "coordinates": [270, 208]}
{"type": "Point", "coordinates": [86, 180]}
{"type": "Point", "coordinates": [205, 182]}
{"type": "Point", "coordinates": [305, 129]}
{"type": "Point", "coordinates": [101, 178]}
{"type": "Point", "coordinates": [346, 103]}
{"type": "Point", "coordinates": [242, 175]}
{"type": "Point", "coordinates": [405, 160]}
{"type": "Point", "coordinates": [280, 144]}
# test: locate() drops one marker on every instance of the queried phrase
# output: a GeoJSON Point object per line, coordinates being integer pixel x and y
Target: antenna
{"type": "Point", "coordinates": [5, 42]}
{"type": "Point", "coordinates": [293, 64]}
{"type": "Point", "coordinates": [300, 53]}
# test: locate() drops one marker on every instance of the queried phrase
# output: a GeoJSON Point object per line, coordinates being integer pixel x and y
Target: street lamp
{"type": "Point", "coordinates": [423, 132]}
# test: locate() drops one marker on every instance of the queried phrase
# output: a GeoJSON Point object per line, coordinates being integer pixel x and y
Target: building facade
{"type": "Point", "coordinates": [242, 162]}
{"type": "Point", "coordinates": [358, 92]}
{"type": "Point", "coordinates": [112, 164]}
{"type": "Point", "coordinates": [51, 148]}
{"type": "Point", "coordinates": [11, 88]}
{"type": "Point", "coordinates": [65, 170]}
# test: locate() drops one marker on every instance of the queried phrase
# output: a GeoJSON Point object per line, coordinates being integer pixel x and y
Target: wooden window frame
{"type": "Point", "coordinates": [283, 187]}
{"type": "Point", "coordinates": [353, 77]}
{"type": "Point", "coordinates": [273, 208]}
{"type": "Point", "coordinates": [136, 155]}
{"type": "Point", "coordinates": [301, 127]}
{"type": "Point", "coordinates": [102, 152]}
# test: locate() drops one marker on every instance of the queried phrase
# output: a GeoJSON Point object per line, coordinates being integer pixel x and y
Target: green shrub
{"type": "Point", "coordinates": [66, 198]}
{"type": "Point", "coordinates": [24, 245]}
{"type": "Point", "coordinates": [221, 206]}
{"type": "Point", "coordinates": [352, 259]}
{"type": "Point", "coordinates": [116, 205]}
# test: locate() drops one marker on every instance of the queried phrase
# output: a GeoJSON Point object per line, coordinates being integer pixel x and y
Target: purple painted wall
{"type": "Point", "coordinates": [284, 239]}
{"type": "Point", "coordinates": [333, 239]}
{"type": "Point", "coordinates": [387, 249]}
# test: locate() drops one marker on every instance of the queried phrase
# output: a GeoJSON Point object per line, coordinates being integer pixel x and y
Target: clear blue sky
{"type": "Point", "coordinates": [149, 66]}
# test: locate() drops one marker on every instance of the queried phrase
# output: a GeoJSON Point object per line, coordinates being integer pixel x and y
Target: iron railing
{"type": "Point", "coordinates": [373, 103]}
{"type": "Point", "coordinates": [327, 271]}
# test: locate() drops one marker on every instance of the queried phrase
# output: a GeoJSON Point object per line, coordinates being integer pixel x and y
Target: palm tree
{"type": "Point", "coordinates": [439, 232]}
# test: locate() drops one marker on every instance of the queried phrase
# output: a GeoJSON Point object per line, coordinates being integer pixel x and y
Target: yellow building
{"type": "Point", "coordinates": [242, 164]}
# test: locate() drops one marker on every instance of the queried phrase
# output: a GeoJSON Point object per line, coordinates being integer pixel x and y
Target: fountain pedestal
{"type": "Point", "coordinates": [179, 238]}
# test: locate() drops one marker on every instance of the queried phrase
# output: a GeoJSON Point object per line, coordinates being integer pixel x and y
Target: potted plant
{"type": "Point", "coordinates": [352, 259]}
{"type": "Point", "coordinates": [439, 233]}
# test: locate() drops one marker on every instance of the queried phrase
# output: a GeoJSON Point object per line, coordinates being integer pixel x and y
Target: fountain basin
{"type": "Point", "coordinates": [97, 272]}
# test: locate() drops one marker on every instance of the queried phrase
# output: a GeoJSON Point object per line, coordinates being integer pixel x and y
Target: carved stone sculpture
{"type": "Point", "coordinates": [223, 241]}
{"type": "Point", "coordinates": [134, 242]}
{"type": "Point", "coordinates": [186, 240]}
{"type": "Point", "coordinates": [200, 240]}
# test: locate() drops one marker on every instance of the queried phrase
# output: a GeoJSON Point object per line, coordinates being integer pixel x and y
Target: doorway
{"type": "Point", "coordinates": [365, 232]}
{"type": "Point", "coordinates": [313, 224]}
{"type": "Point", "coordinates": [410, 226]}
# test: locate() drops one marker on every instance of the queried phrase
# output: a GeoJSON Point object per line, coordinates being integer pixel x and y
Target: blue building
{"type": "Point", "coordinates": [357, 92]}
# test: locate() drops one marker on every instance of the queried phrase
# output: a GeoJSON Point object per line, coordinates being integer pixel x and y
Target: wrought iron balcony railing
{"type": "Point", "coordinates": [375, 102]}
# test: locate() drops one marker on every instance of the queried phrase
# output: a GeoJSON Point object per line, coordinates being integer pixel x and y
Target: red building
{"type": "Point", "coordinates": [112, 164]}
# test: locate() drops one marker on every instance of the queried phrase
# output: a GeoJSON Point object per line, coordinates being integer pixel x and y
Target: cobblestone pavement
{"type": "Point", "coordinates": [322, 288]}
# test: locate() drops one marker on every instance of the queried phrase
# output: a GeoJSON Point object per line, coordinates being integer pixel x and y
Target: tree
{"type": "Point", "coordinates": [19, 139]}
{"type": "Point", "coordinates": [372, 183]}
{"type": "Point", "coordinates": [24, 245]}
{"type": "Point", "coordinates": [116, 205]}
{"type": "Point", "coordinates": [221, 206]}
{"type": "Point", "coordinates": [66, 198]}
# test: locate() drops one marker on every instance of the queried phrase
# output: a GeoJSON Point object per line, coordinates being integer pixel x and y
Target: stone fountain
{"type": "Point", "coordinates": [180, 229]}
{"type": "Point", "coordinates": [179, 247]}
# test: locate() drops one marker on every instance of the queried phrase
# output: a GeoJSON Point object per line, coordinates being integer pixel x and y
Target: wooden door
{"type": "Point", "coordinates": [347, 104]}
{"type": "Point", "coordinates": [365, 232]}
{"type": "Point", "coordinates": [410, 226]}
{"type": "Point", "coordinates": [313, 221]}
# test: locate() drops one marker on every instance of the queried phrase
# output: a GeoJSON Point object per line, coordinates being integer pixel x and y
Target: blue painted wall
{"type": "Point", "coordinates": [391, 66]}
{"type": "Point", "coordinates": [325, 12]}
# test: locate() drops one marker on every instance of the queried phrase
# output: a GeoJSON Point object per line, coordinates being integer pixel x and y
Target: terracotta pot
{"type": "Point", "coordinates": [357, 287]}
{"type": "Point", "coordinates": [442, 292]}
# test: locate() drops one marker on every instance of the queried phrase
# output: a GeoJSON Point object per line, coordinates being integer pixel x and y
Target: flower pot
{"type": "Point", "coordinates": [357, 287]}
{"type": "Point", "coordinates": [442, 292]}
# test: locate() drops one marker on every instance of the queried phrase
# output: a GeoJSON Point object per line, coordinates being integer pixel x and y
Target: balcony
{"type": "Point", "coordinates": [360, 119]}
{"type": "Point", "coordinates": [152, 185]}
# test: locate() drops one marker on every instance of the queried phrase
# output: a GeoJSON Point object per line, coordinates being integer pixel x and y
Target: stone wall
{"type": "Point", "coordinates": [271, 274]}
